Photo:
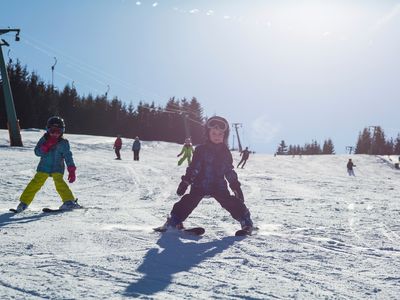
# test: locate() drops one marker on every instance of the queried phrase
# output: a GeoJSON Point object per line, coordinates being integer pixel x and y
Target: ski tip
{"type": "Point", "coordinates": [195, 231]}
{"type": "Point", "coordinates": [48, 210]}
{"type": "Point", "coordinates": [13, 210]}
{"type": "Point", "coordinates": [160, 229]}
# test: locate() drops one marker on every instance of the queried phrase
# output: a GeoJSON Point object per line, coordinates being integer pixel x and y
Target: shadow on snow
{"type": "Point", "coordinates": [159, 266]}
{"type": "Point", "coordinates": [11, 218]}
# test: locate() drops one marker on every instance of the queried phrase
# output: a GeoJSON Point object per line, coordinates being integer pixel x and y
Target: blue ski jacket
{"type": "Point", "coordinates": [53, 161]}
{"type": "Point", "coordinates": [136, 146]}
{"type": "Point", "coordinates": [211, 165]}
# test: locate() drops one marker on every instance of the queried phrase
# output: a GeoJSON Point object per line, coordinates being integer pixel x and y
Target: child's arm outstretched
{"type": "Point", "coordinates": [232, 178]}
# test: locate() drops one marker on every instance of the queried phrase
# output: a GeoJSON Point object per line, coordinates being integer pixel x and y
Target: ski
{"type": "Point", "coordinates": [63, 208]}
{"type": "Point", "coordinates": [192, 231]}
{"type": "Point", "coordinates": [13, 210]}
{"type": "Point", "coordinates": [56, 210]}
{"type": "Point", "coordinates": [52, 210]}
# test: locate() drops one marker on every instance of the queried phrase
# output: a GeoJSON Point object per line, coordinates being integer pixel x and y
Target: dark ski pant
{"type": "Point", "coordinates": [242, 161]}
{"type": "Point", "coordinates": [117, 153]}
{"type": "Point", "coordinates": [135, 154]}
{"type": "Point", "coordinates": [184, 207]}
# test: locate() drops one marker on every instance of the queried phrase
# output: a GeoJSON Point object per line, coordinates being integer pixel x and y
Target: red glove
{"type": "Point", "coordinates": [48, 144]}
{"type": "Point", "coordinates": [71, 174]}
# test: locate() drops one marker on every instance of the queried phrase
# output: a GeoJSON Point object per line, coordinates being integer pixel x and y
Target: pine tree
{"type": "Point", "coordinates": [378, 145]}
{"type": "Point", "coordinates": [389, 147]}
{"type": "Point", "coordinates": [328, 147]}
{"type": "Point", "coordinates": [282, 148]}
{"type": "Point", "coordinates": [364, 142]}
{"type": "Point", "coordinates": [396, 150]}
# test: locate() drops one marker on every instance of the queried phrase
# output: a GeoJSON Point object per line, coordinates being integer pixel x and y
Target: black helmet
{"type": "Point", "coordinates": [56, 121]}
{"type": "Point", "coordinates": [218, 122]}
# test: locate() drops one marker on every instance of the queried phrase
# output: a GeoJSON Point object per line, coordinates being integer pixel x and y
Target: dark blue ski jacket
{"type": "Point", "coordinates": [211, 164]}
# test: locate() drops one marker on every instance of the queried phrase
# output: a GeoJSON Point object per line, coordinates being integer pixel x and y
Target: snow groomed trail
{"type": "Point", "coordinates": [323, 234]}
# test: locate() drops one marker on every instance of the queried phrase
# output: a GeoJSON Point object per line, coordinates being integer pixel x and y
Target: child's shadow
{"type": "Point", "coordinates": [13, 218]}
{"type": "Point", "coordinates": [176, 256]}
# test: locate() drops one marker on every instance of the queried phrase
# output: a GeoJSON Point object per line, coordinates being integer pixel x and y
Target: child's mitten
{"type": "Point", "coordinates": [48, 144]}
{"type": "Point", "coordinates": [71, 174]}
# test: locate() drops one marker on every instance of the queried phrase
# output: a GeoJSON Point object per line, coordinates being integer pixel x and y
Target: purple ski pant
{"type": "Point", "coordinates": [184, 207]}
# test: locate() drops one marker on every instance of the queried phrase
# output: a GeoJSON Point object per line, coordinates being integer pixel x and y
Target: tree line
{"type": "Point", "coordinates": [35, 101]}
{"type": "Point", "coordinates": [313, 148]}
{"type": "Point", "coordinates": [372, 140]}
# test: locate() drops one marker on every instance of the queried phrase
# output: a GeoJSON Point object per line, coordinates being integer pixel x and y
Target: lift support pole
{"type": "Point", "coordinates": [12, 122]}
{"type": "Point", "coordinates": [236, 125]}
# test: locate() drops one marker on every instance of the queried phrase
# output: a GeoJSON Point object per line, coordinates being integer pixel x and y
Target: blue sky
{"type": "Point", "coordinates": [285, 69]}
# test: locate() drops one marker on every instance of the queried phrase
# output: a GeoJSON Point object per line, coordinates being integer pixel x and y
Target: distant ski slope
{"type": "Point", "coordinates": [322, 234]}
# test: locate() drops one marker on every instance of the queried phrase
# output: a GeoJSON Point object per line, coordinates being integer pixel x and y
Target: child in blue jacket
{"type": "Point", "coordinates": [206, 174]}
{"type": "Point", "coordinates": [53, 150]}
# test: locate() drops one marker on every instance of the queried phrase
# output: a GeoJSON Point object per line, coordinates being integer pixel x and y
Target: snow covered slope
{"type": "Point", "coordinates": [323, 235]}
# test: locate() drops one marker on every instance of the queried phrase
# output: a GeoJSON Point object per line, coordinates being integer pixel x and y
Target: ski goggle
{"type": "Point", "coordinates": [53, 130]}
{"type": "Point", "coordinates": [217, 123]}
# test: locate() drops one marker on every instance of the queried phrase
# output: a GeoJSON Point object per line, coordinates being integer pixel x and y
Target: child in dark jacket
{"type": "Point", "coordinates": [211, 164]}
{"type": "Point", "coordinates": [53, 150]}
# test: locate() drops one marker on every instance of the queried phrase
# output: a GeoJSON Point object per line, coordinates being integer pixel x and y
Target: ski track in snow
{"type": "Point", "coordinates": [322, 234]}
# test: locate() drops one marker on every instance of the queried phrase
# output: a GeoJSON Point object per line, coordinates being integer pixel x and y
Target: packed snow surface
{"type": "Point", "coordinates": [322, 234]}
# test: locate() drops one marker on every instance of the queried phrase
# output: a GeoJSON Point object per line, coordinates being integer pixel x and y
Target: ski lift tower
{"type": "Point", "coordinates": [237, 125]}
{"type": "Point", "coordinates": [350, 149]}
{"type": "Point", "coordinates": [12, 122]}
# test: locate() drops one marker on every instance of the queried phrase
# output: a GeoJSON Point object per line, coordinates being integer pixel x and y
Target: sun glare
{"type": "Point", "coordinates": [318, 19]}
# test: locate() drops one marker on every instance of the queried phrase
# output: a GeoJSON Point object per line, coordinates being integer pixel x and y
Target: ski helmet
{"type": "Point", "coordinates": [220, 123]}
{"type": "Point", "coordinates": [57, 122]}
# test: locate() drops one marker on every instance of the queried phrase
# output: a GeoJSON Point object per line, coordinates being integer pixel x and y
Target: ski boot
{"type": "Point", "coordinates": [69, 205]}
{"type": "Point", "coordinates": [173, 223]}
{"type": "Point", "coordinates": [247, 225]}
{"type": "Point", "coordinates": [21, 207]}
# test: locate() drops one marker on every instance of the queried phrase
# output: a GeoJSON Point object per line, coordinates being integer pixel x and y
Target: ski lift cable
{"type": "Point", "coordinates": [59, 73]}
{"type": "Point", "coordinates": [182, 110]}
{"type": "Point", "coordinates": [90, 87]}
{"type": "Point", "coordinates": [95, 73]}
{"type": "Point", "coordinates": [76, 82]}
{"type": "Point", "coordinates": [76, 68]}
{"type": "Point", "coordinates": [71, 59]}
{"type": "Point", "coordinates": [170, 112]}
{"type": "Point", "coordinates": [83, 65]}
